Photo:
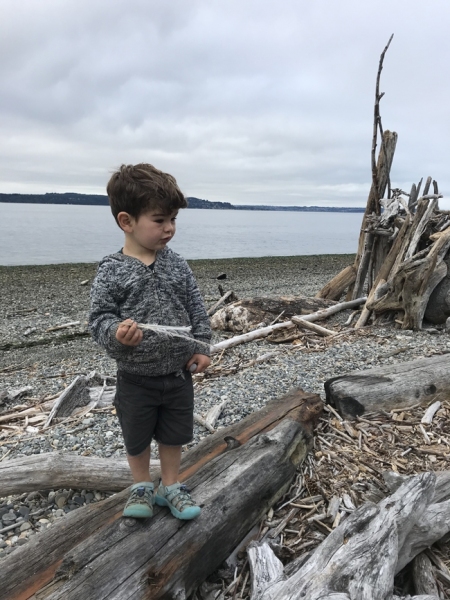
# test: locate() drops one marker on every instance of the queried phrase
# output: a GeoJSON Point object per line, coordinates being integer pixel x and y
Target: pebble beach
{"type": "Point", "coordinates": [36, 300]}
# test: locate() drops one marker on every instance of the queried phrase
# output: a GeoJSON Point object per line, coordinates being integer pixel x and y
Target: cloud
{"type": "Point", "coordinates": [246, 102]}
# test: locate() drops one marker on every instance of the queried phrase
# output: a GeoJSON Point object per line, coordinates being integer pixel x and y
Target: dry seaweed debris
{"type": "Point", "coordinates": [344, 470]}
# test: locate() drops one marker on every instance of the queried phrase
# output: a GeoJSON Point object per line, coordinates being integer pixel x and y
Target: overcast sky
{"type": "Point", "coordinates": [244, 101]}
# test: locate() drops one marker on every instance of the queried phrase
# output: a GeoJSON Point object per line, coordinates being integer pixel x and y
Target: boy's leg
{"type": "Point", "coordinates": [140, 466]}
{"type": "Point", "coordinates": [175, 427]}
{"type": "Point", "coordinates": [170, 458]}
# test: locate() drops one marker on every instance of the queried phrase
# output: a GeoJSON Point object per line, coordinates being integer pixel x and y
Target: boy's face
{"type": "Point", "coordinates": [151, 231]}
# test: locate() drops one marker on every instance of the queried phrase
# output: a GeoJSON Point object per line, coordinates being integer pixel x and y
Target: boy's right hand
{"type": "Point", "coordinates": [128, 333]}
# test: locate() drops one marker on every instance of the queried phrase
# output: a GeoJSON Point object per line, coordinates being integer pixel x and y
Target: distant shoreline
{"type": "Point", "coordinates": [99, 200]}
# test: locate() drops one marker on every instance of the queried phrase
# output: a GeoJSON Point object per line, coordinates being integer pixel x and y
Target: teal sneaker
{"type": "Point", "coordinates": [178, 498]}
{"type": "Point", "coordinates": [141, 501]}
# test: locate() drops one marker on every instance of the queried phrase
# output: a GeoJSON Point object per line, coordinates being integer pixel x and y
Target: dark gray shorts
{"type": "Point", "coordinates": [154, 407]}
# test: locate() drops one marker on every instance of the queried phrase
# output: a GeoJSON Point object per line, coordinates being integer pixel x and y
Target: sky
{"type": "Point", "coordinates": [243, 101]}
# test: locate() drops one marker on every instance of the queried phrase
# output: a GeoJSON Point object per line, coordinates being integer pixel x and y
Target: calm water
{"type": "Point", "coordinates": [36, 234]}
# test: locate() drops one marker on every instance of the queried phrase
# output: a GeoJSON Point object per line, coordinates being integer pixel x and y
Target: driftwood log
{"type": "Point", "coordinates": [402, 385]}
{"type": "Point", "coordinates": [56, 470]}
{"type": "Point", "coordinates": [359, 559]}
{"type": "Point", "coordinates": [266, 331]}
{"type": "Point", "coordinates": [236, 474]}
{"type": "Point", "coordinates": [248, 313]}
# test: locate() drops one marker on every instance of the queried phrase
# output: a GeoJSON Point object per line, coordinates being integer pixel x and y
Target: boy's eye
{"type": "Point", "coordinates": [173, 219]}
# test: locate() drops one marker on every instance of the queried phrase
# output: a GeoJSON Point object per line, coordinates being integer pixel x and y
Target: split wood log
{"type": "Point", "coordinates": [123, 557]}
{"type": "Point", "coordinates": [265, 331]}
{"type": "Point", "coordinates": [77, 395]}
{"type": "Point", "coordinates": [359, 559]}
{"type": "Point", "coordinates": [403, 385]}
{"type": "Point", "coordinates": [56, 470]}
{"type": "Point", "coordinates": [248, 313]}
{"type": "Point", "coordinates": [334, 289]}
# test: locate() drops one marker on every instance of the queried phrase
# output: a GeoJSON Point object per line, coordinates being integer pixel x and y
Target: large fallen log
{"type": "Point", "coordinates": [402, 385]}
{"type": "Point", "coordinates": [359, 559]}
{"type": "Point", "coordinates": [248, 313]}
{"type": "Point", "coordinates": [266, 331]}
{"type": "Point", "coordinates": [236, 473]}
{"type": "Point", "coordinates": [56, 470]}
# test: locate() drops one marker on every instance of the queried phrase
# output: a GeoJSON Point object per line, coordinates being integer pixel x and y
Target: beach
{"type": "Point", "coordinates": [37, 354]}
{"type": "Point", "coordinates": [35, 299]}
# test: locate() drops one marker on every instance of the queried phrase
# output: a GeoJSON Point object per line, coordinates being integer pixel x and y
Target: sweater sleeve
{"type": "Point", "coordinates": [104, 315]}
{"type": "Point", "coordinates": [197, 313]}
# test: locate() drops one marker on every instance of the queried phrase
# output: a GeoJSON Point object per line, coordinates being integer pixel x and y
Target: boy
{"type": "Point", "coordinates": [147, 283]}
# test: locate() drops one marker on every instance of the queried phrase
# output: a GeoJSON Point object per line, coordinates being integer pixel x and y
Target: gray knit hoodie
{"type": "Point", "coordinates": [167, 294]}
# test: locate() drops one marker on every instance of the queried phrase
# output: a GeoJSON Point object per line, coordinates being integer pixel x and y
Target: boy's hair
{"type": "Point", "coordinates": [134, 189]}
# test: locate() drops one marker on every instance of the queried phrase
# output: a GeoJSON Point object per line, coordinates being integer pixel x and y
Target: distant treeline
{"type": "Point", "coordinates": [98, 200]}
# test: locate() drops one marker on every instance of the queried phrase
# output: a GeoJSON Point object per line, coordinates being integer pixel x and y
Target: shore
{"type": "Point", "coordinates": [35, 299]}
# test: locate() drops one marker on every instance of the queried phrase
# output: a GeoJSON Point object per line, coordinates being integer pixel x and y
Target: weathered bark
{"type": "Point", "coordinates": [78, 394]}
{"type": "Point", "coordinates": [246, 314]}
{"type": "Point", "coordinates": [384, 388]}
{"type": "Point", "coordinates": [412, 284]}
{"type": "Point", "coordinates": [384, 164]}
{"type": "Point", "coordinates": [359, 559]}
{"type": "Point", "coordinates": [334, 289]}
{"type": "Point", "coordinates": [55, 470]}
{"type": "Point", "coordinates": [423, 576]}
{"type": "Point", "coordinates": [385, 269]}
{"type": "Point", "coordinates": [118, 552]}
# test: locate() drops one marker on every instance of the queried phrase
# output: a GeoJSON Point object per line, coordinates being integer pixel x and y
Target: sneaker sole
{"type": "Point", "coordinates": [187, 515]}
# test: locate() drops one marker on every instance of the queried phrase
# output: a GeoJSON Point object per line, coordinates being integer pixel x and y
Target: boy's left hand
{"type": "Point", "coordinates": [201, 360]}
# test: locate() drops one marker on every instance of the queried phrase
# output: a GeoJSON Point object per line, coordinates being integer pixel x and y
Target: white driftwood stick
{"type": "Point", "coordinates": [204, 423]}
{"type": "Point", "coordinates": [312, 327]}
{"type": "Point", "coordinates": [430, 412]}
{"type": "Point", "coordinates": [265, 331]}
{"type": "Point", "coordinates": [58, 327]}
{"type": "Point", "coordinates": [215, 306]}
{"type": "Point", "coordinates": [214, 413]}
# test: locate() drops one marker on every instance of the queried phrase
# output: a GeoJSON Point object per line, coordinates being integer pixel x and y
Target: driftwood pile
{"type": "Point", "coordinates": [403, 245]}
{"type": "Point", "coordinates": [336, 530]}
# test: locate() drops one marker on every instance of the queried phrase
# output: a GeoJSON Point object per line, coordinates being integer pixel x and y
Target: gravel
{"type": "Point", "coordinates": [38, 298]}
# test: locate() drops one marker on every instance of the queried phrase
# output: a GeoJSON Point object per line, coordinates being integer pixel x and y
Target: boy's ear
{"type": "Point", "coordinates": [125, 221]}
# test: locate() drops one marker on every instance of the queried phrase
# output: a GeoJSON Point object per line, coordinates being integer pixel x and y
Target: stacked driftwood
{"type": "Point", "coordinates": [403, 244]}
{"type": "Point", "coordinates": [402, 262]}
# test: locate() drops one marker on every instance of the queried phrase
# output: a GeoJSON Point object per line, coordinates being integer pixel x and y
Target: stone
{"type": "Point", "coordinates": [33, 496]}
{"type": "Point", "coordinates": [78, 500]}
{"type": "Point", "coordinates": [25, 526]}
{"type": "Point", "coordinates": [61, 499]}
{"type": "Point", "coordinates": [24, 511]}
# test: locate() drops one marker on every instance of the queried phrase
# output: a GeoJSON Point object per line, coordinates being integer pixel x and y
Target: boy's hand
{"type": "Point", "coordinates": [201, 360]}
{"type": "Point", "coordinates": [128, 333]}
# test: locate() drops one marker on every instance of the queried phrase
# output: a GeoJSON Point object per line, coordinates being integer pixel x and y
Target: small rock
{"type": "Point", "coordinates": [61, 499]}
{"type": "Point", "coordinates": [25, 526]}
{"type": "Point", "coordinates": [24, 511]}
